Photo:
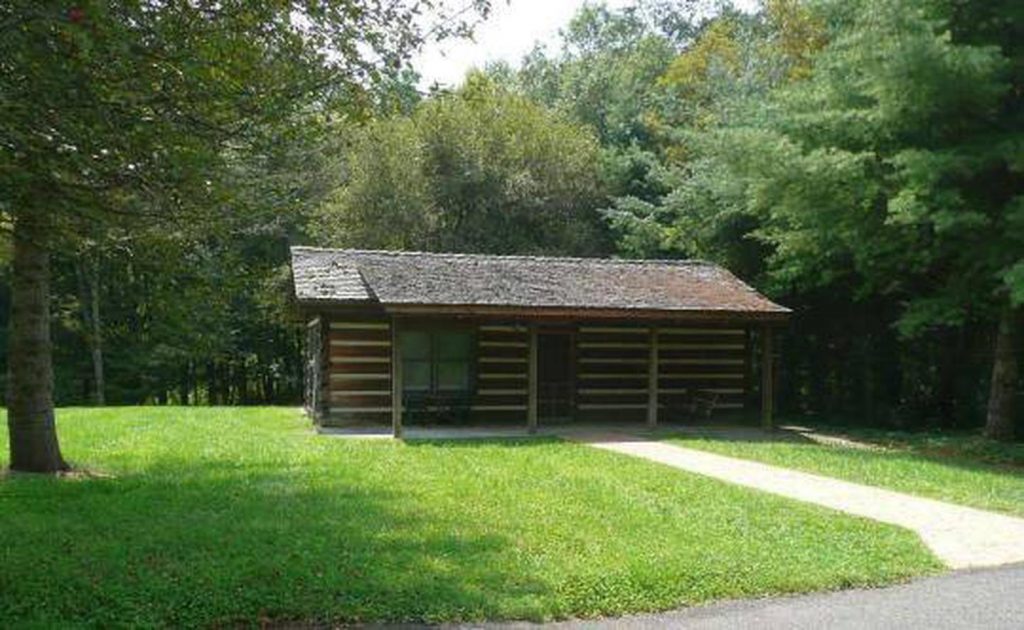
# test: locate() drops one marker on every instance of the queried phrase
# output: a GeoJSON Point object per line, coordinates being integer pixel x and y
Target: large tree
{"type": "Point", "coordinates": [129, 112]}
{"type": "Point", "coordinates": [903, 166]}
{"type": "Point", "coordinates": [478, 170]}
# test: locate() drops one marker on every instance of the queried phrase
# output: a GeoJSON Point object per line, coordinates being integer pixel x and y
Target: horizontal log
{"type": "Point", "coordinates": [701, 331]}
{"type": "Point", "coordinates": [360, 351]}
{"type": "Point", "coordinates": [502, 335]}
{"type": "Point", "coordinates": [360, 342]}
{"type": "Point", "coordinates": [718, 374]}
{"type": "Point", "coordinates": [519, 367]}
{"type": "Point", "coordinates": [512, 353]}
{"type": "Point", "coordinates": [598, 367]}
{"type": "Point", "coordinates": [611, 338]}
{"type": "Point", "coordinates": [503, 344]}
{"type": "Point", "coordinates": [499, 400]}
{"type": "Point", "coordinates": [344, 367]}
{"type": "Point", "coordinates": [583, 345]}
{"type": "Point", "coordinates": [501, 392]}
{"type": "Point", "coordinates": [503, 382]}
{"type": "Point", "coordinates": [360, 326]}
{"type": "Point", "coordinates": [343, 376]}
{"type": "Point", "coordinates": [360, 409]}
{"type": "Point", "coordinates": [506, 375]}
{"type": "Point", "coordinates": [613, 360]}
{"type": "Point", "coordinates": [621, 399]}
{"type": "Point", "coordinates": [702, 346]}
{"type": "Point", "coordinates": [614, 330]}
{"type": "Point", "coordinates": [349, 400]}
{"type": "Point", "coordinates": [611, 391]}
{"type": "Point", "coordinates": [375, 333]}
{"type": "Point", "coordinates": [682, 376]}
{"type": "Point", "coordinates": [611, 406]}
{"type": "Point", "coordinates": [701, 361]}
{"type": "Point", "coordinates": [613, 354]}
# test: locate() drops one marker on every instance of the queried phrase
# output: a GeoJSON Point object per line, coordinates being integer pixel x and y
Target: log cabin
{"type": "Point", "coordinates": [397, 337]}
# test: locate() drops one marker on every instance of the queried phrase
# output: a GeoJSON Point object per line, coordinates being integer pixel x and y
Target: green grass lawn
{"type": "Point", "coordinates": [236, 516]}
{"type": "Point", "coordinates": [958, 469]}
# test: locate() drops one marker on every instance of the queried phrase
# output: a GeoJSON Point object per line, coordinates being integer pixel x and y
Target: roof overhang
{"type": "Point", "coordinates": [483, 311]}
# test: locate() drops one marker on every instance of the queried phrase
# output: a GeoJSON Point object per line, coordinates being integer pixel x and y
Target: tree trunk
{"type": "Point", "coordinates": [88, 289]}
{"type": "Point", "coordinates": [211, 383]}
{"type": "Point", "coordinates": [999, 423]}
{"type": "Point", "coordinates": [30, 415]}
{"type": "Point", "coordinates": [96, 335]}
{"type": "Point", "coordinates": [183, 387]}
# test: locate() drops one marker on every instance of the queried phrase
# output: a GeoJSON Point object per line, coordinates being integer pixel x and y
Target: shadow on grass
{"type": "Point", "coordinates": [213, 542]}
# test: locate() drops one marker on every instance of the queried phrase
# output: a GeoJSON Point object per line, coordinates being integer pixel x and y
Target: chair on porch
{"type": "Point", "coordinates": [421, 407]}
{"type": "Point", "coordinates": [704, 402]}
{"type": "Point", "coordinates": [694, 404]}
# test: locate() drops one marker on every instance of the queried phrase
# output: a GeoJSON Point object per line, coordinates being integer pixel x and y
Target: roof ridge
{"type": "Point", "coordinates": [675, 262]}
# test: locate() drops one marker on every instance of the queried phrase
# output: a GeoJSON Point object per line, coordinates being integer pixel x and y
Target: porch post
{"type": "Point", "coordinates": [652, 379]}
{"type": "Point", "coordinates": [531, 376]}
{"type": "Point", "coordinates": [396, 382]}
{"type": "Point", "coordinates": [767, 378]}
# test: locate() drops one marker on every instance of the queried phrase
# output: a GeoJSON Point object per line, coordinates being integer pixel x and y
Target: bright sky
{"type": "Point", "coordinates": [509, 33]}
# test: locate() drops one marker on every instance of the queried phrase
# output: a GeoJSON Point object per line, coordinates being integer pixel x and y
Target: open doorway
{"type": "Point", "coordinates": [554, 376]}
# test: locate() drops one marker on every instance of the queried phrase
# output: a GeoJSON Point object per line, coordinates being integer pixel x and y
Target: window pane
{"type": "Point", "coordinates": [454, 345]}
{"type": "Point", "coordinates": [453, 375]}
{"type": "Point", "coordinates": [414, 345]}
{"type": "Point", "coordinates": [416, 375]}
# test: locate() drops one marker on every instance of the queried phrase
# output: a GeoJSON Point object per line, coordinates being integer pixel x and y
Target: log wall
{"type": "Point", "coordinates": [612, 367]}
{"type": "Point", "coordinates": [611, 373]}
{"type": "Point", "coordinates": [501, 373]}
{"type": "Point", "coordinates": [702, 358]}
{"type": "Point", "coordinates": [613, 364]}
{"type": "Point", "coordinates": [359, 372]}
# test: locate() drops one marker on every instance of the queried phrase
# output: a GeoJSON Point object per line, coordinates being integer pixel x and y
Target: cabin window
{"type": "Point", "coordinates": [436, 361]}
{"type": "Point", "coordinates": [416, 362]}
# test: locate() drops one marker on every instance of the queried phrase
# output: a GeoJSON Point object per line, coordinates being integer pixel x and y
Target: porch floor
{"type": "Point", "coordinates": [569, 430]}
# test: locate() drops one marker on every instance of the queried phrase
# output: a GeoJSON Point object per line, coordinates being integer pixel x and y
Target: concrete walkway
{"type": "Point", "coordinates": [960, 536]}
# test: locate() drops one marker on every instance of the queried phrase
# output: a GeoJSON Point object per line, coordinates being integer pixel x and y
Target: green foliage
{"type": "Point", "coordinates": [605, 73]}
{"type": "Point", "coordinates": [212, 517]}
{"type": "Point", "coordinates": [179, 145]}
{"type": "Point", "coordinates": [854, 157]}
{"type": "Point", "coordinates": [605, 76]}
{"type": "Point", "coordinates": [120, 110]}
{"type": "Point", "coordinates": [891, 174]}
{"type": "Point", "coordinates": [478, 170]}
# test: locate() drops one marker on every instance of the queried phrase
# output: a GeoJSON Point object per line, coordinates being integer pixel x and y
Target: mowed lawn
{"type": "Point", "coordinates": [239, 516]}
{"type": "Point", "coordinates": [953, 472]}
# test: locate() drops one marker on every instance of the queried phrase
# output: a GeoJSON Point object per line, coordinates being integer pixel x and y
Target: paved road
{"type": "Point", "coordinates": [992, 599]}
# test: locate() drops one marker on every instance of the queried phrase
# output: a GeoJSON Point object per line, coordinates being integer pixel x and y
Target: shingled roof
{"type": "Point", "coordinates": [395, 279]}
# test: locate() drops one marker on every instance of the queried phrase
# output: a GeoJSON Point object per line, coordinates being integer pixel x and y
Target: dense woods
{"type": "Point", "coordinates": [861, 162]}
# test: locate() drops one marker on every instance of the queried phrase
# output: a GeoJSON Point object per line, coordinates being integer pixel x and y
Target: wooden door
{"type": "Point", "coordinates": [554, 376]}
